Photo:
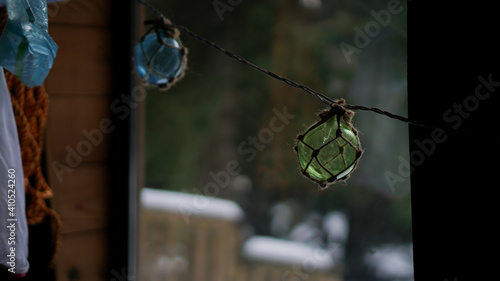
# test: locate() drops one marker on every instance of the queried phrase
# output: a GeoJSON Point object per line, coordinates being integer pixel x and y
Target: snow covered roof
{"type": "Point", "coordinates": [273, 250]}
{"type": "Point", "coordinates": [184, 203]}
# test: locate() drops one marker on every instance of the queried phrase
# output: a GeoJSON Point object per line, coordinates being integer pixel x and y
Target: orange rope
{"type": "Point", "coordinates": [31, 109]}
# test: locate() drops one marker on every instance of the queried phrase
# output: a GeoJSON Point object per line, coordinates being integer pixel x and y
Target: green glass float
{"type": "Point", "coordinates": [330, 149]}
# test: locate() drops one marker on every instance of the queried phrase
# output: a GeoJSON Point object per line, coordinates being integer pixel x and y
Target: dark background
{"type": "Point", "coordinates": [453, 192]}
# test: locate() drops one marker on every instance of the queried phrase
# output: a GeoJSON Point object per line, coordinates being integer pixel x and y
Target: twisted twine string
{"type": "Point", "coordinates": [323, 98]}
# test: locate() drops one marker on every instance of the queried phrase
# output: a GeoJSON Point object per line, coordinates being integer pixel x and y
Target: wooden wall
{"type": "Point", "coordinates": [79, 86]}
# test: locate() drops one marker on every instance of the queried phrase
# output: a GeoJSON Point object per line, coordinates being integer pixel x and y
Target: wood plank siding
{"type": "Point", "coordinates": [80, 89]}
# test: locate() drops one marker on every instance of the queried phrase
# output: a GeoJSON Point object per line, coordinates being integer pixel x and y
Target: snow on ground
{"type": "Point", "coordinates": [391, 262]}
{"type": "Point", "coordinates": [273, 250]}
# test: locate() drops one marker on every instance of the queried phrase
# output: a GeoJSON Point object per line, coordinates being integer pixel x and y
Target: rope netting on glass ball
{"type": "Point", "coordinates": [328, 151]}
{"type": "Point", "coordinates": [160, 57]}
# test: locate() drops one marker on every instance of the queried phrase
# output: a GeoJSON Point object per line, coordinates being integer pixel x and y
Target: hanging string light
{"type": "Point", "coordinates": [329, 150]}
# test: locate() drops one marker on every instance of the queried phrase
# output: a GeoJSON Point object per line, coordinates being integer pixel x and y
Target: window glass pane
{"type": "Point", "coordinates": [228, 132]}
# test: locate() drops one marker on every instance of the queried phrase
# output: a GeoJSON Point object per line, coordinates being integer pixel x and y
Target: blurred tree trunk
{"type": "Point", "coordinates": [292, 58]}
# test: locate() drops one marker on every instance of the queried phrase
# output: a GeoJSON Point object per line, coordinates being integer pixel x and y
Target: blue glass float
{"type": "Point", "coordinates": [160, 58]}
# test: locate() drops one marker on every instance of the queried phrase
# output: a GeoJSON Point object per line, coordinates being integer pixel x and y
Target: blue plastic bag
{"type": "Point", "coordinates": [26, 48]}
